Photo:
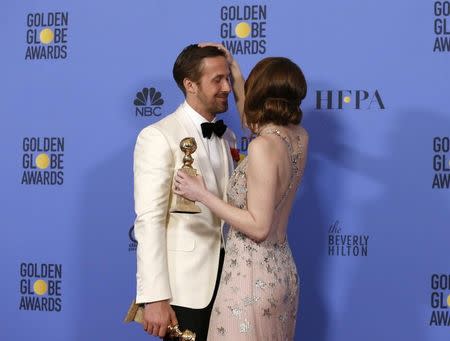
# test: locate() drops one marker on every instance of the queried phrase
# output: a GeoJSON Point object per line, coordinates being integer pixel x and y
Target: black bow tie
{"type": "Point", "coordinates": [217, 128]}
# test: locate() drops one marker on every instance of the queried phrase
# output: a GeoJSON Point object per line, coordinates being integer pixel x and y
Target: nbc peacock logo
{"type": "Point", "coordinates": [148, 102]}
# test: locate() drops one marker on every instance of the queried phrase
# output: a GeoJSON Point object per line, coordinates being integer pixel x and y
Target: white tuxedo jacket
{"type": "Point", "coordinates": [177, 254]}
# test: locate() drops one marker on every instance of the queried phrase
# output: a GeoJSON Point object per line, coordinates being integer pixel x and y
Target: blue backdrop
{"type": "Point", "coordinates": [370, 227]}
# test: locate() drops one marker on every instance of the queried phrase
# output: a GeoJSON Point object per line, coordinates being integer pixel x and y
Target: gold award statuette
{"type": "Point", "coordinates": [183, 205]}
{"type": "Point", "coordinates": [136, 313]}
{"type": "Point", "coordinates": [187, 335]}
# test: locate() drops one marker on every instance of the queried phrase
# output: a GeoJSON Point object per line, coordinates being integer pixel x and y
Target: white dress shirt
{"type": "Point", "coordinates": [212, 145]}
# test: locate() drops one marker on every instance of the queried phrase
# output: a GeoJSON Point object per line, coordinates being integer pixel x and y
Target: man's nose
{"type": "Point", "coordinates": [226, 86]}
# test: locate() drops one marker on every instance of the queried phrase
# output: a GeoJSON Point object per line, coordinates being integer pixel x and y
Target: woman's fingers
{"type": "Point", "coordinates": [184, 181]}
{"type": "Point", "coordinates": [220, 47]}
{"type": "Point", "coordinates": [181, 175]}
{"type": "Point", "coordinates": [209, 43]}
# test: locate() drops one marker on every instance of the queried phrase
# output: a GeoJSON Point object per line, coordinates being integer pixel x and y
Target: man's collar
{"type": "Point", "coordinates": [194, 115]}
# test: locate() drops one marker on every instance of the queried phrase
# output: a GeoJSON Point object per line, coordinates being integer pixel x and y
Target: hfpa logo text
{"type": "Point", "coordinates": [349, 99]}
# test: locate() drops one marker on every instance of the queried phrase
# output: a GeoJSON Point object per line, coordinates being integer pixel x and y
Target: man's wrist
{"type": "Point", "coordinates": [147, 303]}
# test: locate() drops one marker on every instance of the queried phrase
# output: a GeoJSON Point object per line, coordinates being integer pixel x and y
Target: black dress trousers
{"type": "Point", "coordinates": [197, 320]}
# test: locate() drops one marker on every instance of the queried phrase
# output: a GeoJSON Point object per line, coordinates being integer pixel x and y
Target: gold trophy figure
{"type": "Point", "coordinates": [183, 205]}
{"type": "Point", "coordinates": [187, 335]}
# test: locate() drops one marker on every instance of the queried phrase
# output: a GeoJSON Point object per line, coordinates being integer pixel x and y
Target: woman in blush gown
{"type": "Point", "coordinates": [258, 294]}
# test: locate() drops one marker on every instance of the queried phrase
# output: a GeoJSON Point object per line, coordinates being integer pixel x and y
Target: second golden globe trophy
{"type": "Point", "coordinates": [136, 313]}
{"type": "Point", "coordinates": [188, 146]}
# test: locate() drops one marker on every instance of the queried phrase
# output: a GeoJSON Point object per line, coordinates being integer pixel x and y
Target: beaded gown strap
{"type": "Point", "coordinates": [294, 157]}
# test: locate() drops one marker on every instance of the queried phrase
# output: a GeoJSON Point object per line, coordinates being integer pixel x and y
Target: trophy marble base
{"type": "Point", "coordinates": [135, 313]}
{"type": "Point", "coordinates": [184, 205]}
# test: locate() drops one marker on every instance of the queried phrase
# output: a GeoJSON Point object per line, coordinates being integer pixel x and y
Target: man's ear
{"type": "Point", "coordinates": [190, 86]}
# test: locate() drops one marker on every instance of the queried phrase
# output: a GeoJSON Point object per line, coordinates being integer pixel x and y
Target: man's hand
{"type": "Point", "coordinates": [157, 317]}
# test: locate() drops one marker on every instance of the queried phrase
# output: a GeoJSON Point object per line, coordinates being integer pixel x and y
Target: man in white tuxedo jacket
{"type": "Point", "coordinates": [179, 255]}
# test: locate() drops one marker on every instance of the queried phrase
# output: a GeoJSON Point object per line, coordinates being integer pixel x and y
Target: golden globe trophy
{"type": "Point", "coordinates": [183, 205]}
{"type": "Point", "coordinates": [187, 335]}
{"type": "Point", "coordinates": [136, 313]}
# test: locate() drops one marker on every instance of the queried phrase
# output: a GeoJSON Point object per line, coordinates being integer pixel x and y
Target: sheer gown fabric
{"type": "Point", "coordinates": [259, 288]}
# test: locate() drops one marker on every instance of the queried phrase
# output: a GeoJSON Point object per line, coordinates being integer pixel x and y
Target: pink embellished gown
{"type": "Point", "coordinates": [258, 294]}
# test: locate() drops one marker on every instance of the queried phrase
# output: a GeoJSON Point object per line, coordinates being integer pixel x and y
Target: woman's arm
{"type": "Point", "coordinates": [238, 82]}
{"type": "Point", "coordinates": [262, 184]}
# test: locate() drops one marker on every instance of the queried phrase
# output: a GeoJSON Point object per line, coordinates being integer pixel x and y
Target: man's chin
{"type": "Point", "coordinates": [221, 108]}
